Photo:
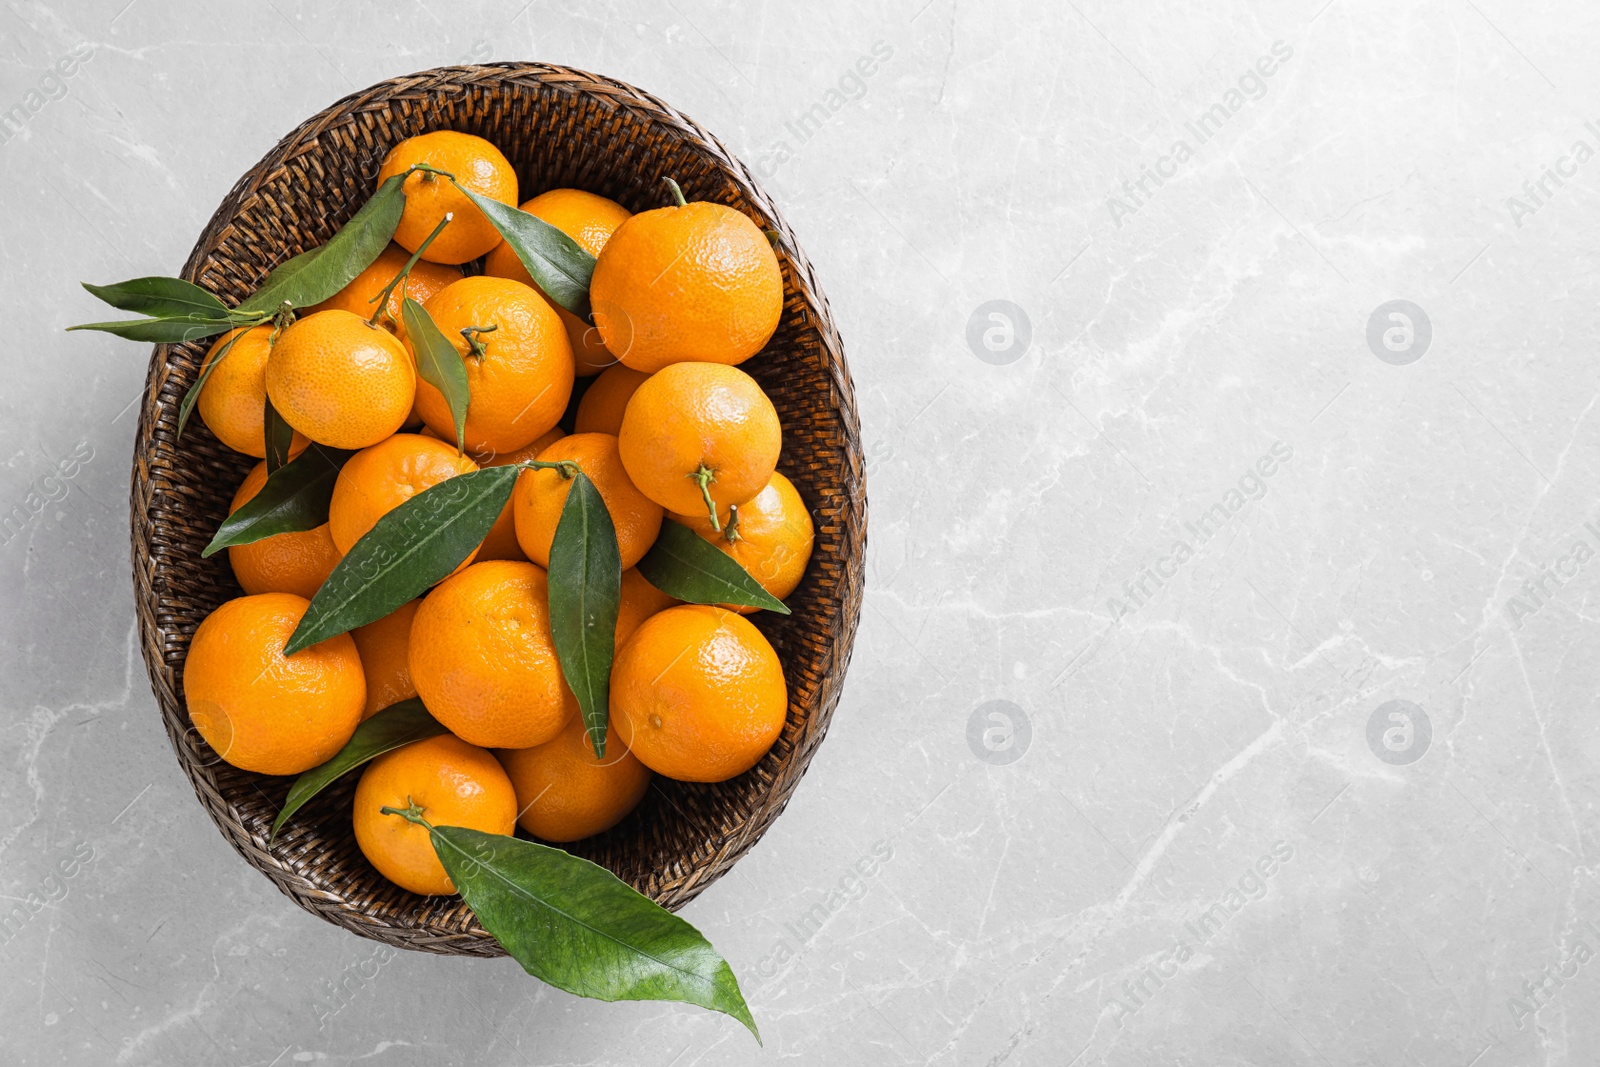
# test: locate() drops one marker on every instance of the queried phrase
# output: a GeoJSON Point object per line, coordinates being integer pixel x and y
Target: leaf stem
{"type": "Point", "coordinates": [705, 476]}
{"type": "Point", "coordinates": [382, 299]}
{"type": "Point", "coordinates": [412, 812]}
{"type": "Point", "coordinates": [475, 346]}
{"type": "Point", "coordinates": [677, 192]}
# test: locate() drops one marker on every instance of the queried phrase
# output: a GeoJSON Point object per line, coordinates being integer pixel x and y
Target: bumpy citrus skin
{"type": "Point", "coordinates": [541, 494]}
{"type": "Point", "coordinates": [600, 410]}
{"type": "Point", "coordinates": [234, 399]}
{"type": "Point", "coordinates": [477, 165]}
{"type": "Point", "coordinates": [589, 220]}
{"type": "Point", "coordinates": [698, 282]}
{"type": "Point", "coordinates": [482, 658]}
{"type": "Point", "coordinates": [384, 646]}
{"type": "Point", "coordinates": [360, 296]}
{"type": "Point", "coordinates": [297, 562]}
{"type": "Point", "coordinates": [380, 478]}
{"type": "Point", "coordinates": [501, 543]}
{"type": "Point", "coordinates": [520, 385]}
{"type": "Point", "coordinates": [259, 709]}
{"type": "Point", "coordinates": [565, 792]}
{"type": "Point", "coordinates": [698, 694]}
{"type": "Point", "coordinates": [340, 381]}
{"type": "Point", "coordinates": [638, 602]}
{"type": "Point", "coordinates": [455, 784]}
{"type": "Point", "coordinates": [772, 537]}
{"type": "Point", "coordinates": [699, 414]}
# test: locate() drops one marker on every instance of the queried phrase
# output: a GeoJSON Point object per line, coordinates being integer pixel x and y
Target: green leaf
{"type": "Point", "coordinates": [295, 498]}
{"type": "Point", "coordinates": [580, 928]}
{"type": "Point", "coordinates": [394, 727]}
{"type": "Point", "coordinates": [585, 589]}
{"type": "Point", "coordinates": [192, 397]}
{"type": "Point", "coordinates": [557, 262]}
{"type": "Point", "coordinates": [315, 275]}
{"type": "Point", "coordinates": [408, 550]}
{"type": "Point", "coordinates": [172, 330]}
{"type": "Point", "coordinates": [280, 438]}
{"type": "Point", "coordinates": [439, 363]}
{"type": "Point", "coordinates": [161, 297]}
{"type": "Point", "coordinates": [683, 564]}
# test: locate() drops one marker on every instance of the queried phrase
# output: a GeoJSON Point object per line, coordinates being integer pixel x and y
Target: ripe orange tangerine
{"type": "Point", "coordinates": [453, 783]}
{"type": "Point", "coordinates": [477, 165]}
{"type": "Point", "coordinates": [518, 360]}
{"type": "Point", "coordinates": [259, 709]}
{"type": "Point", "coordinates": [697, 693]}
{"type": "Point", "coordinates": [565, 792]}
{"type": "Point", "coordinates": [541, 494]}
{"type": "Point", "coordinates": [339, 380]}
{"type": "Point", "coordinates": [380, 478]}
{"type": "Point", "coordinates": [482, 658]}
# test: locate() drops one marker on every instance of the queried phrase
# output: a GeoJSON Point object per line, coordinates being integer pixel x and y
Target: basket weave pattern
{"type": "Point", "coordinates": [560, 128]}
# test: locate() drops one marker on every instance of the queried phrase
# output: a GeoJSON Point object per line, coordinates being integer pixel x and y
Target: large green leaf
{"type": "Point", "coordinates": [295, 498]}
{"type": "Point", "coordinates": [557, 262]}
{"type": "Point", "coordinates": [683, 564]}
{"type": "Point", "coordinates": [172, 330]}
{"type": "Point", "coordinates": [580, 928]}
{"type": "Point", "coordinates": [438, 363]}
{"type": "Point", "coordinates": [393, 727]}
{"type": "Point", "coordinates": [585, 589]}
{"type": "Point", "coordinates": [315, 275]}
{"type": "Point", "coordinates": [408, 550]}
{"type": "Point", "coordinates": [161, 297]}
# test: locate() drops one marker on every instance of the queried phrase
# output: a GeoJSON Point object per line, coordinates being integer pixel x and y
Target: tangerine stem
{"type": "Point", "coordinates": [282, 319]}
{"type": "Point", "coordinates": [677, 192]}
{"type": "Point", "coordinates": [411, 813]}
{"type": "Point", "coordinates": [705, 476]}
{"type": "Point", "coordinates": [567, 468]}
{"type": "Point", "coordinates": [731, 532]}
{"type": "Point", "coordinates": [429, 172]}
{"type": "Point", "coordinates": [475, 347]}
{"type": "Point", "coordinates": [382, 299]}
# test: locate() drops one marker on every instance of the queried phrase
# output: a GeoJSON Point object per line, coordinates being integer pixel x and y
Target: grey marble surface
{"type": "Point", "coordinates": [1224, 692]}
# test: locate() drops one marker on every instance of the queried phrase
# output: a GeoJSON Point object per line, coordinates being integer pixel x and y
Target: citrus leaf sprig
{"type": "Point", "coordinates": [575, 925]}
{"type": "Point", "coordinates": [315, 275]}
{"type": "Point", "coordinates": [554, 260]}
{"type": "Point", "coordinates": [394, 727]}
{"type": "Point", "coordinates": [294, 499]}
{"type": "Point", "coordinates": [160, 298]}
{"type": "Point", "coordinates": [182, 311]}
{"type": "Point", "coordinates": [585, 595]}
{"type": "Point", "coordinates": [407, 551]}
{"type": "Point", "coordinates": [685, 565]}
{"type": "Point", "coordinates": [569, 922]}
{"type": "Point", "coordinates": [439, 363]}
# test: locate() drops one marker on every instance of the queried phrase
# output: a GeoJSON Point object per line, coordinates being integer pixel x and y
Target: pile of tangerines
{"type": "Point", "coordinates": [670, 428]}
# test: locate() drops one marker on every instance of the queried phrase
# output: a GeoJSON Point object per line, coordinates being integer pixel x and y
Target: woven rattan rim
{"type": "Point", "coordinates": [559, 127]}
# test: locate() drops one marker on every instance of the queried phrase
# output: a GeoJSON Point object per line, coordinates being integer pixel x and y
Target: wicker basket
{"type": "Point", "coordinates": [559, 127]}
